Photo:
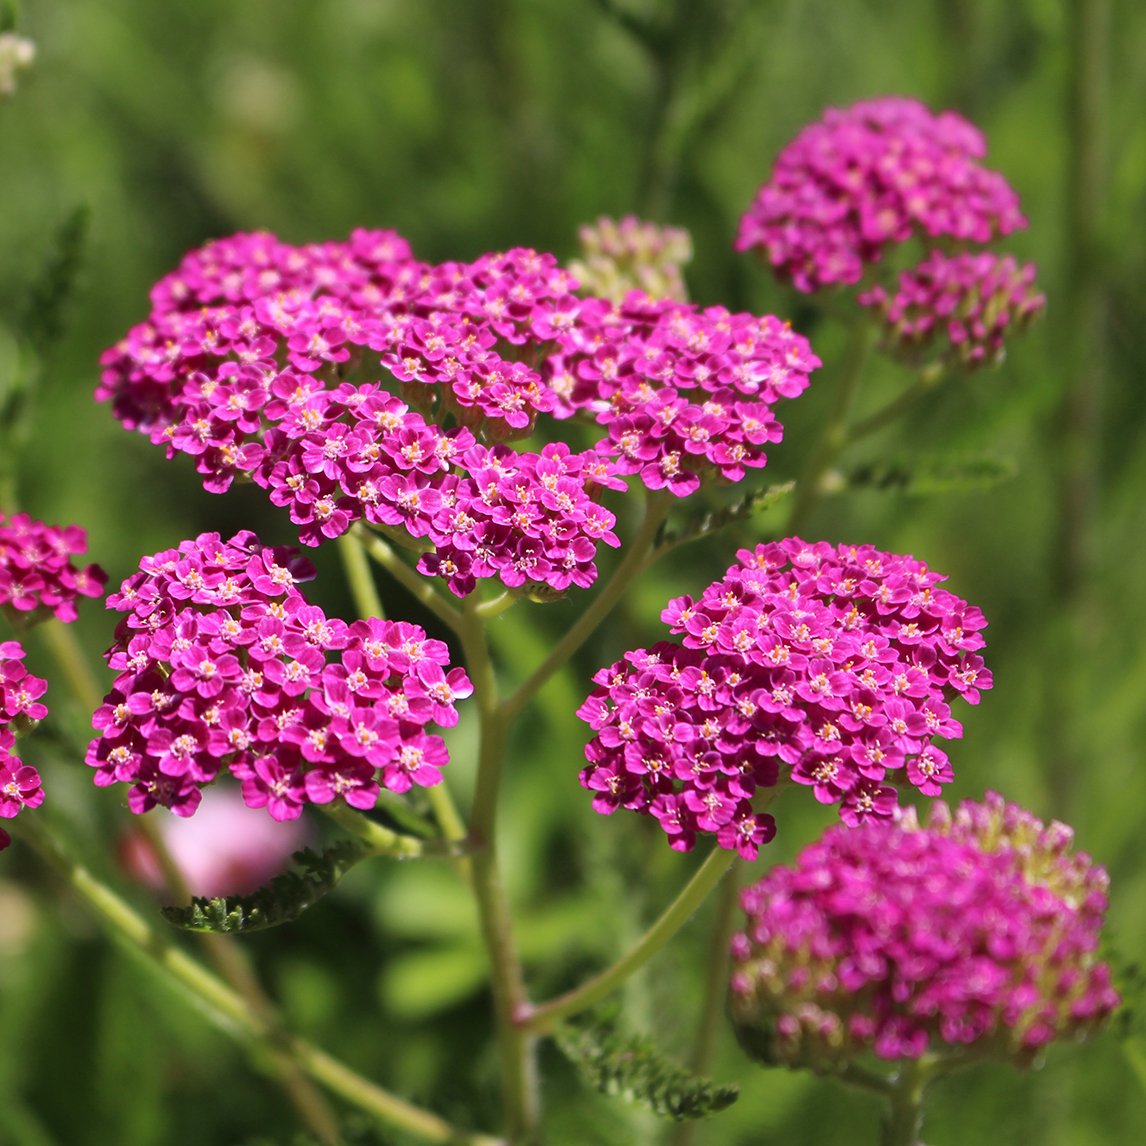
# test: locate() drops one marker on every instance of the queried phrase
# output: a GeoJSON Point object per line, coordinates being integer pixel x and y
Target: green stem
{"type": "Point", "coordinates": [711, 1019]}
{"type": "Point", "coordinates": [928, 380]}
{"type": "Point", "coordinates": [516, 1047]}
{"type": "Point", "coordinates": [231, 1012]}
{"type": "Point", "coordinates": [905, 1106]}
{"type": "Point", "coordinates": [72, 663]}
{"type": "Point", "coordinates": [419, 588]}
{"type": "Point", "coordinates": [835, 435]}
{"type": "Point", "coordinates": [358, 576]}
{"type": "Point", "coordinates": [636, 552]}
{"type": "Point", "coordinates": [542, 1018]}
{"type": "Point", "coordinates": [384, 842]}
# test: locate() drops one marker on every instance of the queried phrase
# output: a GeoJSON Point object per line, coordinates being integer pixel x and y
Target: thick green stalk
{"type": "Point", "coordinates": [233, 1013]}
{"type": "Point", "coordinates": [542, 1018]}
{"type": "Point", "coordinates": [516, 1047]}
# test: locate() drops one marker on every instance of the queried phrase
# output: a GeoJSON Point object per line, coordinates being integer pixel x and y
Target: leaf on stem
{"type": "Point", "coordinates": [931, 475]}
{"type": "Point", "coordinates": [284, 899]}
{"type": "Point", "coordinates": [630, 1066]}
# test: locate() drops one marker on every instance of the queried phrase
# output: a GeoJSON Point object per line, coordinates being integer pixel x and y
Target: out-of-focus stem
{"type": "Point", "coordinates": [835, 436]}
{"type": "Point", "coordinates": [418, 587]}
{"type": "Point", "coordinates": [928, 380]}
{"type": "Point", "coordinates": [542, 1018]}
{"type": "Point", "coordinates": [72, 663]}
{"type": "Point", "coordinates": [1077, 426]}
{"type": "Point", "coordinates": [231, 1011]}
{"type": "Point", "coordinates": [636, 553]}
{"type": "Point", "coordinates": [905, 1106]}
{"type": "Point", "coordinates": [358, 576]}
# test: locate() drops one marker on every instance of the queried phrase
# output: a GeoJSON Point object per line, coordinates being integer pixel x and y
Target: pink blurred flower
{"type": "Point", "coordinates": [226, 848]}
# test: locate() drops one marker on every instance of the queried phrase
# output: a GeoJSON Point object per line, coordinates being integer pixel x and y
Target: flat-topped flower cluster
{"type": "Point", "coordinates": [20, 709]}
{"type": "Point", "coordinates": [975, 933]}
{"type": "Point", "coordinates": [868, 176]}
{"type": "Point", "coordinates": [353, 382]}
{"type": "Point", "coordinates": [831, 666]}
{"type": "Point", "coordinates": [37, 576]}
{"type": "Point", "coordinates": [223, 665]}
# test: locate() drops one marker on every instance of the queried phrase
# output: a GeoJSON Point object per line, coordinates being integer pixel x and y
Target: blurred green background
{"type": "Point", "coordinates": [473, 126]}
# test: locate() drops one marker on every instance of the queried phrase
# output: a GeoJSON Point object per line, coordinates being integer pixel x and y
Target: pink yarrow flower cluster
{"type": "Point", "coordinates": [37, 576]}
{"type": "Point", "coordinates": [977, 931]}
{"type": "Point", "coordinates": [974, 300]}
{"type": "Point", "coordinates": [686, 395]}
{"type": "Point", "coordinates": [224, 666]}
{"type": "Point", "coordinates": [20, 710]}
{"type": "Point", "coordinates": [353, 382]}
{"type": "Point", "coordinates": [870, 175]}
{"type": "Point", "coordinates": [833, 667]}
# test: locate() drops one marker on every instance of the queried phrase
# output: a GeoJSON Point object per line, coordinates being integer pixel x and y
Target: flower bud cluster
{"type": "Point", "coordinates": [16, 54]}
{"type": "Point", "coordinates": [37, 577]}
{"type": "Point", "coordinates": [973, 299]}
{"type": "Point", "coordinates": [629, 254]}
{"type": "Point", "coordinates": [20, 710]}
{"type": "Point", "coordinates": [975, 934]}
{"type": "Point", "coordinates": [870, 175]}
{"type": "Point", "coordinates": [224, 666]}
{"type": "Point", "coordinates": [832, 667]}
{"type": "Point", "coordinates": [353, 382]}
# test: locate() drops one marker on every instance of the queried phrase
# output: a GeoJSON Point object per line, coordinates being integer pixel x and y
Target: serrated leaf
{"type": "Point", "coordinates": [713, 520]}
{"type": "Point", "coordinates": [925, 476]}
{"type": "Point", "coordinates": [284, 899]}
{"type": "Point", "coordinates": [630, 1067]}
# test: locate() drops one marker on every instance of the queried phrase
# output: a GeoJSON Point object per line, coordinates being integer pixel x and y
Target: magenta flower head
{"type": "Point", "coordinates": [870, 175]}
{"type": "Point", "coordinates": [355, 383]}
{"type": "Point", "coordinates": [973, 936]}
{"type": "Point", "coordinates": [831, 667]}
{"type": "Point", "coordinates": [224, 665]}
{"type": "Point", "coordinates": [957, 308]}
{"type": "Point", "coordinates": [20, 710]}
{"type": "Point", "coordinates": [37, 577]}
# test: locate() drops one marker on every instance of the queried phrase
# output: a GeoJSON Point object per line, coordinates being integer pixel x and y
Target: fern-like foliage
{"type": "Point", "coordinates": [630, 1067]}
{"type": "Point", "coordinates": [713, 520]}
{"type": "Point", "coordinates": [924, 476]}
{"type": "Point", "coordinates": [284, 899]}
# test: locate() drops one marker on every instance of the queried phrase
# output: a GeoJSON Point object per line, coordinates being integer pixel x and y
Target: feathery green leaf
{"type": "Point", "coordinates": [284, 899]}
